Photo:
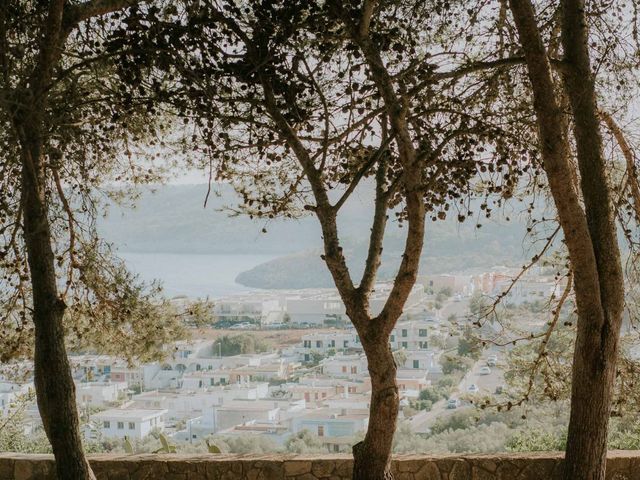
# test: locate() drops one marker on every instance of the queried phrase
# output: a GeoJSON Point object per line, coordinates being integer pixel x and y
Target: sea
{"type": "Point", "coordinates": [193, 275]}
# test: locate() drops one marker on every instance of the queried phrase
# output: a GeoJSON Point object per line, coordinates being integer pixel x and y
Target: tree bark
{"type": "Point", "coordinates": [55, 389]}
{"type": "Point", "coordinates": [372, 457]}
{"type": "Point", "coordinates": [596, 350]}
{"type": "Point", "coordinates": [590, 233]}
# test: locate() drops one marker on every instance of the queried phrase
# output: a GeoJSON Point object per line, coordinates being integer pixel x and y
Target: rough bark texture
{"type": "Point", "coordinates": [590, 233]}
{"type": "Point", "coordinates": [596, 350]}
{"type": "Point", "coordinates": [54, 385]}
{"type": "Point", "coordinates": [55, 389]}
{"type": "Point", "coordinates": [372, 457]}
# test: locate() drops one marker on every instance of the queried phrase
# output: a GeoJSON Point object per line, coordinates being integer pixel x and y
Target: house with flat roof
{"type": "Point", "coordinates": [345, 366]}
{"type": "Point", "coordinates": [411, 335]}
{"type": "Point", "coordinates": [135, 423]}
{"type": "Point", "coordinates": [334, 426]}
{"type": "Point", "coordinates": [325, 343]}
{"type": "Point", "coordinates": [99, 394]}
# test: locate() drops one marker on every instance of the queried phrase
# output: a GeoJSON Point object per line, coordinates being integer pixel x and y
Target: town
{"type": "Point", "coordinates": [304, 369]}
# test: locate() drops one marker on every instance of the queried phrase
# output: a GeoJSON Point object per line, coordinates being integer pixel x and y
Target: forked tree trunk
{"type": "Point", "coordinates": [590, 233]}
{"type": "Point", "coordinates": [372, 457]}
{"type": "Point", "coordinates": [55, 389]}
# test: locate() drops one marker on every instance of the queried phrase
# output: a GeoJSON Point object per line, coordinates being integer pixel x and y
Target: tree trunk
{"type": "Point", "coordinates": [55, 389]}
{"type": "Point", "coordinates": [596, 350]}
{"type": "Point", "coordinates": [590, 233]}
{"type": "Point", "coordinates": [372, 457]}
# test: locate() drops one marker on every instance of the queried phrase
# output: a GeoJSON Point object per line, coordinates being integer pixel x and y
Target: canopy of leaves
{"type": "Point", "coordinates": [96, 131]}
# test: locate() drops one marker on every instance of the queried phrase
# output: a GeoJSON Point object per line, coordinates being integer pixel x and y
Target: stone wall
{"type": "Point", "coordinates": [622, 465]}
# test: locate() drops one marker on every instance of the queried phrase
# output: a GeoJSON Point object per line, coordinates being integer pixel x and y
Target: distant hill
{"type": "Point", "coordinates": [449, 247]}
{"type": "Point", "coordinates": [171, 219]}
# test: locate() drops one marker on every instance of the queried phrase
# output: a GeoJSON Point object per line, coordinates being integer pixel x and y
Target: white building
{"type": "Point", "coordinates": [132, 423]}
{"type": "Point", "coordinates": [326, 343]}
{"type": "Point", "coordinates": [333, 426]}
{"type": "Point", "coordinates": [345, 366]}
{"type": "Point", "coordinates": [10, 392]}
{"type": "Point", "coordinates": [410, 335]}
{"type": "Point", "coordinates": [423, 360]}
{"type": "Point", "coordinates": [239, 412]}
{"type": "Point", "coordinates": [256, 307]}
{"type": "Point", "coordinates": [98, 394]}
{"type": "Point", "coordinates": [529, 289]}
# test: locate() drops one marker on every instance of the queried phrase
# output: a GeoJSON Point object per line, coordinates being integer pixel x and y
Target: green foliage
{"type": "Point", "coordinates": [433, 394]}
{"type": "Point", "coordinates": [458, 420]}
{"type": "Point", "coordinates": [448, 381]}
{"type": "Point", "coordinates": [245, 443]}
{"type": "Point", "coordinates": [305, 442]}
{"type": "Point", "coordinates": [212, 448]}
{"type": "Point", "coordinates": [166, 447]}
{"type": "Point", "coordinates": [468, 345]}
{"type": "Point", "coordinates": [537, 440]}
{"type": "Point", "coordinates": [241, 344]}
{"type": "Point", "coordinates": [128, 447]}
{"type": "Point", "coordinates": [425, 405]}
{"type": "Point", "coordinates": [446, 292]}
{"type": "Point", "coordinates": [472, 439]}
{"type": "Point", "coordinates": [92, 128]}
{"type": "Point", "coordinates": [624, 434]}
{"type": "Point", "coordinates": [454, 363]}
{"type": "Point", "coordinates": [481, 438]}
{"type": "Point", "coordinates": [478, 304]}
{"type": "Point", "coordinates": [13, 439]}
{"type": "Point", "coordinates": [314, 359]}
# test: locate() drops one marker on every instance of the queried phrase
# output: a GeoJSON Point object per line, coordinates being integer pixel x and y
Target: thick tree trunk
{"type": "Point", "coordinates": [590, 233]}
{"type": "Point", "coordinates": [372, 457]}
{"type": "Point", "coordinates": [55, 390]}
{"type": "Point", "coordinates": [596, 350]}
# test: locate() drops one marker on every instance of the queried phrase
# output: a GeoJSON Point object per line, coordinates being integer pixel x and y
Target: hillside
{"type": "Point", "coordinates": [172, 219]}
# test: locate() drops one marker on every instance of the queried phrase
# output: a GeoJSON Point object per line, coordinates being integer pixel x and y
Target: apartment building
{"type": "Point", "coordinates": [325, 343]}
{"type": "Point", "coordinates": [410, 335]}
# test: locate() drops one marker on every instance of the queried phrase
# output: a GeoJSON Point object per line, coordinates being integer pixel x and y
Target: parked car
{"type": "Point", "coordinates": [485, 371]}
{"type": "Point", "coordinates": [473, 388]}
{"type": "Point", "coordinates": [453, 403]}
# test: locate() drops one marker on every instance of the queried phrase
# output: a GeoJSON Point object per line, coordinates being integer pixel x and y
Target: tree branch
{"type": "Point", "coordinates": [629, 157]}
{"type": "Point", "coordinates": [75, 14]}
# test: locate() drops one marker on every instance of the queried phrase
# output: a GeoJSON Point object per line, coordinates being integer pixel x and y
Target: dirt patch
{"type": "Point", "coordinates": [279, 338]}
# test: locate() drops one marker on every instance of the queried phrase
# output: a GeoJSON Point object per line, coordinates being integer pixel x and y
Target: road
{"type": "Point", "coordinates": [486, 384]}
